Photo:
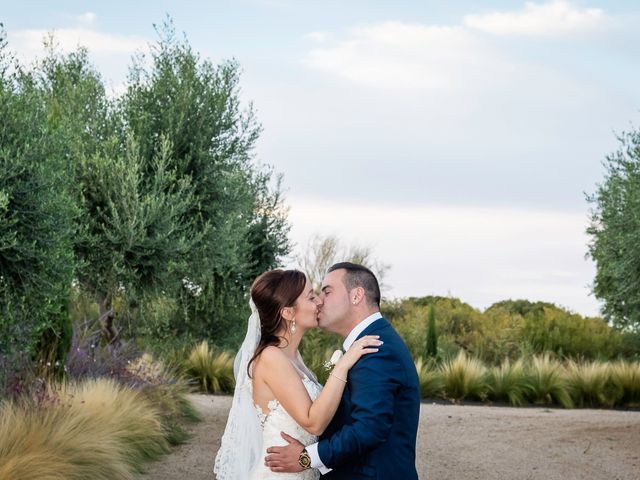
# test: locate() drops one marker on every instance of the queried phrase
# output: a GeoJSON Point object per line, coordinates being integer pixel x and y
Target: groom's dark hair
{"type": "Point", "coordinates": [360, 276]}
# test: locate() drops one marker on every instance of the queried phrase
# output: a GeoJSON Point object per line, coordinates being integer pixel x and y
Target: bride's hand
{"type": "Point", "coordinates": [362, 346]}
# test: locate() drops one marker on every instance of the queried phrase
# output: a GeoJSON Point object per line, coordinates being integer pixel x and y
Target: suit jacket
{"type": "Point", "coordinates": [373, 433]}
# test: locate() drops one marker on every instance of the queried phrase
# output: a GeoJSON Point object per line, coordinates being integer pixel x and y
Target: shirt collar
{"type": "Point", "coordinates": [358, 329]}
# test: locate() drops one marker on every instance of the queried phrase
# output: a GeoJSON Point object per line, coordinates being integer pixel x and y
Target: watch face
{"type": "Point", "coordinates": [305, 460]}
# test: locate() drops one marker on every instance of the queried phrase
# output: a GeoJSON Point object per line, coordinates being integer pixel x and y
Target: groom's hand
{"type": "Point", "coordinates": [285, 459]}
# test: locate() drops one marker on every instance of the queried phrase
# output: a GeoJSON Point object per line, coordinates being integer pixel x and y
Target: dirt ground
{"type": "Point", "coordinates": [468, 442]}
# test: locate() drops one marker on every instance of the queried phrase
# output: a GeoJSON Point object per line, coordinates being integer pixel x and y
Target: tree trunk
{"type": "Point", "coordinates": [106, 317]}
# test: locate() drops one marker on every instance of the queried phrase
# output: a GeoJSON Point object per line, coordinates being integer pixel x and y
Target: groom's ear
{"type": "Point", "coordinates": [356, 295]}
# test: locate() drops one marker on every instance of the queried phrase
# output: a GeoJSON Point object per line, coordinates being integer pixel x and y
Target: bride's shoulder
{"type": "Point", "coordinates": [271, 356]}
{"type": "Point", "coordinates": [274, 362]}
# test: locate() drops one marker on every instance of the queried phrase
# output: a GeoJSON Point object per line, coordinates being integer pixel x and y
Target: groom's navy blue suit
{"type": "Point", "coordinates": [373, 433]}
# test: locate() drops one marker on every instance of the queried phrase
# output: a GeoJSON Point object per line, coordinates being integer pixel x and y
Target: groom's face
{"type": "Point", "coordinates": [334, 301]}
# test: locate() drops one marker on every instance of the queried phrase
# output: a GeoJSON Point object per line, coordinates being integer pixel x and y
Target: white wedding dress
{"type": "Point", "coordinates": [278, 420]}
{"type": "Point", "coordinates": [249, 430]}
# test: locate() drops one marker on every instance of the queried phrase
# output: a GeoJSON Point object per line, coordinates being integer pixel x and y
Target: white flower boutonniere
{"type": "Point", "coordinates": [337, 355]}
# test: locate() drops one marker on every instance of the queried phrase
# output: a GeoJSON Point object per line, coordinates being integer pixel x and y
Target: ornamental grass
{"type": "Point", "coordinates": [430, 377]}
{"type": "Point", "coordinates": [626, 376]}
{"type": "Point", "coordinates": [464, 378]}
{"type": "Point", "coordinates": [97, 429]}
{"type": "Point", "coordinates": [124, 413]}
{"type": "Point", "coordinates": [540, 379]}
{"type": "Point", "coordinates": [212, 370]}
{"type": "Point", "coordinates": [548, 381]}
{"type": "Point", "coordinates": [509, 383]}
{"type": "Point", "coordinates": [167, 389]}
{"type": "Point", "coordinates": [590, 384]}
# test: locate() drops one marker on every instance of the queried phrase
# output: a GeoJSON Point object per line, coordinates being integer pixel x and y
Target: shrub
{"type": "Point", "coordinates": [212, 370]}
{"type": "Point", "coordinates": [548, 384]}
{"type": "Point", "coordinates": [90, 357]}
{"type": "Point", "coordinates": [590, 384]}
{"type": "Point", "coordinates": [626, 375]}
{"type": "Point", "coordinates": [432, 334]}
{"type": "Point", "coordinates": [509, 383]}
{"type": "Point", "coordinates": [122, 413]}
{"type": "Point", "coordinates": [165, 387]}
{"type": "Point", "coordinates": [17, 374]}
{"type": "Point", "coordinates": [507, 329]}
{"type": "Point", "coordinates": [55, 443]}
{"type": "Point", "coordinates": [464, 377]}
{"type": "Point", "coordinates": [96, 429]}
{"type": "Point", "coordinates": [167, 390]}
{"type": "Point", "coordinates": [430, 377]}
{"type": "Point", "coordinates": [174, 408]}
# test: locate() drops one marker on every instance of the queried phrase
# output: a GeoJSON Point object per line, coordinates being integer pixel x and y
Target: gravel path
{"type": "Point", "coordinates": [468, 442]}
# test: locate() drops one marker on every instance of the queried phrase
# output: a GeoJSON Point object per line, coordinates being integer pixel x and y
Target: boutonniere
{"type": "Point", "coordinates": [337, 355]}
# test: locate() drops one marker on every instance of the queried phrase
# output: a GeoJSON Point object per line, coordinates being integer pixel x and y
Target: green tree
{"type": "Point", "coordinates": [432, 334]}
{"type": "Point", "coordinates": [132, 231]}
{"type": "Point", "coordinates": [151, 197]}
{"type": "Point", "coordinates": [72, 95]}
{"type": "Point", "coordinates": [237, 206]}
{"type": "Point", "coordinates": [136, 233]}
{"type": "Point", "coordinates": [37, 216]}
{"type": "Point", "coordinates": [614, 230]}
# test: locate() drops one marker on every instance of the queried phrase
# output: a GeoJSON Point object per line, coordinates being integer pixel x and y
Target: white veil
{"type": "Point", "coordinates": [241, 446]}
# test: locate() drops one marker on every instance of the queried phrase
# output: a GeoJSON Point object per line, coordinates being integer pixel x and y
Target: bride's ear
{"type": "Point", "coordinates": [288, 313]}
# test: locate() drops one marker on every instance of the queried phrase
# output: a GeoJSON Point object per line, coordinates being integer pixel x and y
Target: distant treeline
{"type": "Point", "coordinates": [508, 329]}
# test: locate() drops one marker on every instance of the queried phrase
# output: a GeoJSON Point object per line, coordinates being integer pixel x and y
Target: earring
{"type": "Point", "coordinates": [293, 326]}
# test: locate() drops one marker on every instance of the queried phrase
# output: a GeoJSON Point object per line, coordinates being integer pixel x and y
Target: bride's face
{"type": "Point", "coordinates": [306, 312]}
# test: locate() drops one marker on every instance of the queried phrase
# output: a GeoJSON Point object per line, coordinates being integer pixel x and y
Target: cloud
{"type": "Point", "coordinates": [451, 114]}
{"type": "Point", "coordinates": [479, 254]}
{"type": "Point", "coordinates": [396, 55]}
{"type": "Point", "coordinates": [318, 37]}
{"type": "Point", "coordinates": [30, 42]}
{"type": "Point", "coordinates": [558, 17]}
{"type": "Point", "coordinates": [86, 18]}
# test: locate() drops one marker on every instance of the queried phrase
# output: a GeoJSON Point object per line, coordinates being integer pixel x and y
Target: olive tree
{"type": "Point", "coordinates": [614, 230]}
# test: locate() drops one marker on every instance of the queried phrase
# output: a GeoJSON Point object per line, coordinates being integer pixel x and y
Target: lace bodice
{"type": "Point", "coordinates": [277, 420]}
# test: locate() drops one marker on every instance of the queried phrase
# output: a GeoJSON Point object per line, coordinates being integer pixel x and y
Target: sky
{"type": "Point", "coordinates": [457, 140]}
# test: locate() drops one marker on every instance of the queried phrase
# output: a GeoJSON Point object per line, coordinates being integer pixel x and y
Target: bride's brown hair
{"type": "Point", "coordinates": [271, 292]}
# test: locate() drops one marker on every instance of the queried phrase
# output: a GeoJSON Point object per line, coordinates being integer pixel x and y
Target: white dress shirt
{"type": "Point", "coordinates": [312, 450]}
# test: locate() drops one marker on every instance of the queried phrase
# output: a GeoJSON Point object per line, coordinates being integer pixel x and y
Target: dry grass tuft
{"type": "Point", "coordinates": [464, 378]}
{"type": "Point", "coordinates": [213, 371]}
{"type": "Point", "coordinates": [97, 429]}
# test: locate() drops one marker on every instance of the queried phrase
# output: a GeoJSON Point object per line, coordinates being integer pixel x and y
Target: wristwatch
{"type": "Point", "coordinates": [304, 459]}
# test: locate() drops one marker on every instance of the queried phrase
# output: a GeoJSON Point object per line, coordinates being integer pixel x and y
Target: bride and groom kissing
{"type": "Point", "coordinates": [362, 424]}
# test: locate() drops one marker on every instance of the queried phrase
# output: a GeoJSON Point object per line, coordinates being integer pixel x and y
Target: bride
{"type": "Point", "coordinates": [275, 391]}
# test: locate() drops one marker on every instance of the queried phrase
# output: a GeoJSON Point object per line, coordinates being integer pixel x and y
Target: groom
{"type": "Point", "coordinates": [373, 433]}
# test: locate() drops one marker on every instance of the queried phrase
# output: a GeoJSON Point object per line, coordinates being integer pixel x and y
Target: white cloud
{"type": "Point", "coordinates": [86, 18]}
{"type": "Point", "coordinates": [558, 17]}
{"type": "Point", "coordinates": [397, 55]}
{"type": "Point", "coordinates": [318, 37]}
{"type": "Point", "coordinates": [30, 42]}
{"type": "Point", "coordinates": [481, 255]}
